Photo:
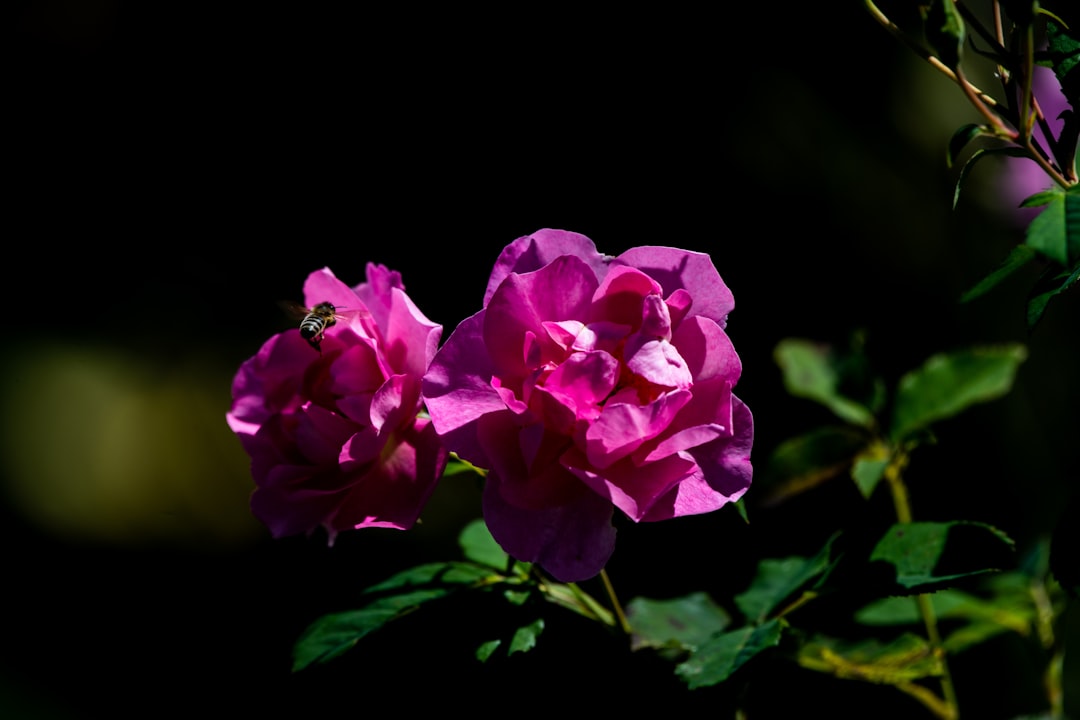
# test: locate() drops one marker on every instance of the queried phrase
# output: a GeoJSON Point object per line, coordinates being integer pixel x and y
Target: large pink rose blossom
{"type": "Point", "coordinates": [333, 432]}
{"type": "Point", "coordinates": [588, 383]}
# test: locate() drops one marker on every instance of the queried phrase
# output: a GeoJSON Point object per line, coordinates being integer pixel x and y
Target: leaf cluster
{"type": "Point", "coordinates": [952, 36]}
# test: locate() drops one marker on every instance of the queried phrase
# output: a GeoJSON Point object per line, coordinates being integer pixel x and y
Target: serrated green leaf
{"type": "Point", "coordinates": [685, 622]}
{"type": "Point", "coordinates": [517, 597]}
{"type": "Point", "coordinates": [944, 30]}
{"type": "Point", "coordinates": [1017, 258]}
{"type": "Point", "coordinates": [867, 473]}
{"type": "Point", "coordinates": [917, 551]}
{"type": "Point", "coordinates": [970, 635]}
{"type": "Point", "coordinates": [779, 579]}
{"type": "Point", "coordinates": [721, 656]}
{"type": "Point", "coordinates": [1055, 232]}
{"type": "Point", "coordinates": [902, 660]}
{"type": "Point", "coordinates": [333, 634]}
{"type": "Point", "coordinates": [443, 573]}
{"type": "Point", "coordinates": [950, 382]}
{"type": "Point", "coordinates": [479, 546]}
{"type": "Point", "coordinates": [1064, 48]}
{"type": "Point", "coordinates": [486, 649]}
{"type": "Point", "coordinates": [806, 461]}
{"type": "Point", "coordinates": [1050, 284]}
{"type": "Point", "coordinates": [525, 637]}
{"type": "Point", "coordinates": [810, 371]}
{"type": "Point", "coordinates": [1043, 197]}
{"type": "Point", "coordinates": [1008, 612]}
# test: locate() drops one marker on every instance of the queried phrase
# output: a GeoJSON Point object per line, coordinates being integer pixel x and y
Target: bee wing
{"type": "Point", "coordinates": [294, 310]}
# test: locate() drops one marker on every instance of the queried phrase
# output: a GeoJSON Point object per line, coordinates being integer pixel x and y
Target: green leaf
{"type": "Point", "coordinates": [1043, 197]}
{"type": "Point", "coordinates": [522, 640]}
{"type": "Point", "coordinates": [443, 573]}
{"type": "Point", "coordinates": [974, 619]}
{"type": "Point", "coordinates": [902, 660]}
{"type": "Point", "coordinates": [1018, 257]}
{"type": "Point", "coordinates": [959, 141]}
{"type": "Point", "coordinates": [681, 623]}
{"type": "Point", "coordinates": [867, 473]}
{"type": "Point", "coordinates": [525, 637]}
{"type": "Point", "coordinates": [1064, 48]}
{"type": "Point", "coordinates": [810, 371]}
{"type": "Point", "coordinates": [869, 468]}
{"type": "Point", "coordinates": [457, 466]}
{"type": "Point", "coordinates": [486, 649]}
{"type": "Point", "coordinates": [944, 30]}
{"type": "Point", "coordinates": [333, 634]}
{"type": "Point", "coordinates": [1055, 232]}
{"type": "Point", "coordinates": [779, 579]}
{"type": "Point", "coordinates": [950, 382]}
{"type": "Point", "coordinates": [924, 554]}
{"type": "Point", "coordinates": [1051, 284]}
{"type": "Point", "coordinates": [719, 657]}
{"type": "Point", "coordinates": [979, 154]}
{"type": "Point", "coordinates": [1009, 612]}
{"type": "Point", "coordinates": [806, 461]}
{"type": "Point", "coordinates": [479, 546]}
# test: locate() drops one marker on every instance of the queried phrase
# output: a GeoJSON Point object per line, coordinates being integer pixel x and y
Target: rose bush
{"type": "Point", "coordinates": [334, 434]}
{"type": "Point", "coordinates": [588, 383]}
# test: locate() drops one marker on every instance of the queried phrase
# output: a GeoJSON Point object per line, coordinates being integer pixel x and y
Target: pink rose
{"type": "Point", "coordinates": [333, 432]}
{"type": "Point", "coordinates": [589, 383]}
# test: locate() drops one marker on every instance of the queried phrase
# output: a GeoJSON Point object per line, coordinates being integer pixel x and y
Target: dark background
{"type": "Point", "coordinates": [176, 170]}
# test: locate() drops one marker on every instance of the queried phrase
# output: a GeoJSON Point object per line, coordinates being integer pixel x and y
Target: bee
{"type": "Point", "coordinates": [316, 321]}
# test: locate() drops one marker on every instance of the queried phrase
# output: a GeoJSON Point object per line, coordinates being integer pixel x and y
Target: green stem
{"type": "Point", "coordinates": [623, 622]}
{"type": "Point", "coordinates": [894, 476]}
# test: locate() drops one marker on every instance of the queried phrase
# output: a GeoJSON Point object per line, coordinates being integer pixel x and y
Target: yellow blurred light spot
{"type": "Point", "coordinates": [104, 446]}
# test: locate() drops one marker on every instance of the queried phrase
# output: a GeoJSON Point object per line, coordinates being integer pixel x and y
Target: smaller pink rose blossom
{"type": "Point", "coordinates": [332, 428]}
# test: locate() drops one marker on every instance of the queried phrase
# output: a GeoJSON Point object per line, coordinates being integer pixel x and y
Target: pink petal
{"type": "Point", "coordinates": [632, 488]}
{"type": "Point", "coordinates": [357, 370]}
{"type": "Point", "coordinates": [707, 350]}
{"type": "Point", "coordinates": [692, 271]}
{"type": "Point", "coordinates": [457, 389]}
{"type": "Point", "coordinates": [583, 380]}
{"type": "Point", "coordinates": [410, 339]}
{"type": "Point", "coordinates": [323, 286]}
{"type": "Point", "coordinates": [572, 541]}
{"type": "Point", "coordinates": [376, 293]}
{"type": "Point", "coordinates": [527, 460]}
{"type": "Point", "coordinates": [601, 335]}
{"type": "Point", "coordinates": [321, 433]}
{"type": "Point", "coordinates": [623, 426]}
{"type": "Point", "coordinates": [533, 252]}
{"type": "Point", "coordinates": [726, 462]}
{"type": "Point", "coordinates": [521, 305]}
{"type": "Point", "coordinates": [395, 489]}
{"type": "Point", "coordinates": [619, 297]}
{"type": "Point", "coordinates": [658, 362]}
